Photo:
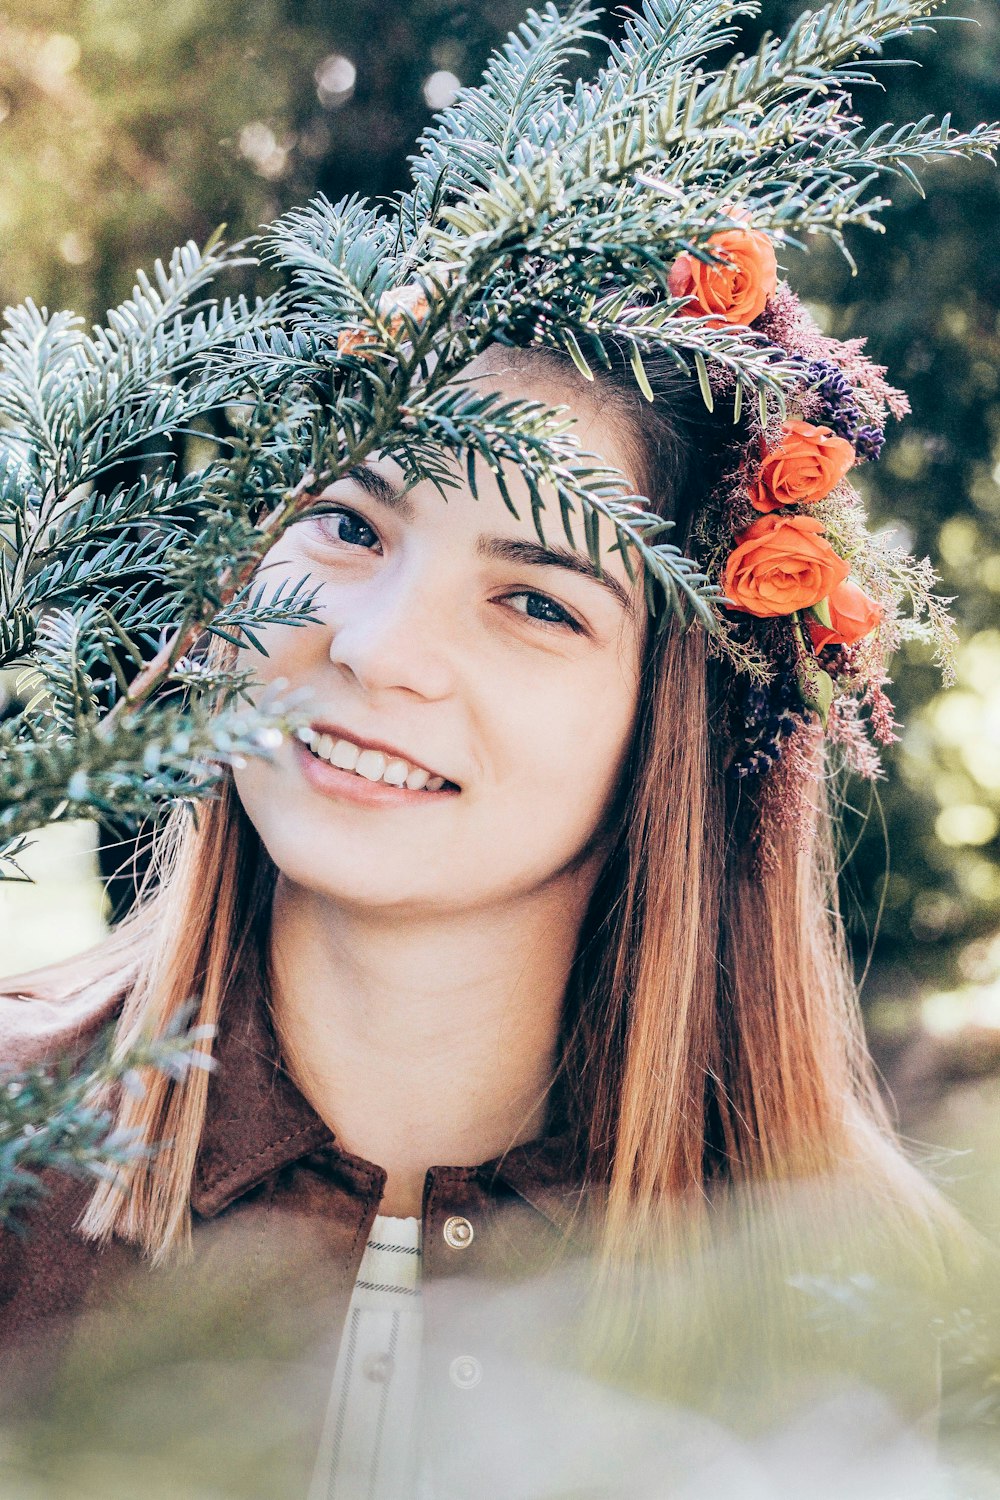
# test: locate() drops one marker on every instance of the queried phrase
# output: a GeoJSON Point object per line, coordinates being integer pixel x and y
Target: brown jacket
{"type": "Point", "coordinates": [216, 1374]}
{"type": "Point", "coordinates": [281, 1217]}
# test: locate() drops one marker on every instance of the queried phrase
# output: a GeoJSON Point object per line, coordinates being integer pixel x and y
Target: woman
{"type": "Point", "coordinates": [496, 971]}
{"type": "Point", "coordinates": [541, 1136]}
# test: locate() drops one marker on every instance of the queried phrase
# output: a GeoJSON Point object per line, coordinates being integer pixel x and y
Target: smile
{"type": "Point", "coordinates": [370, 765]}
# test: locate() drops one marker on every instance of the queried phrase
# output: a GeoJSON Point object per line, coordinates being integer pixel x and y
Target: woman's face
{"type": "Point", "coordinates": [444, 637]}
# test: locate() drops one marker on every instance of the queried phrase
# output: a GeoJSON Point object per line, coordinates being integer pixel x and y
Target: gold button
{"type": "Point", "coordinates": [458, 1232]}
{"type": "Point", "coordinates": [465, 1371]}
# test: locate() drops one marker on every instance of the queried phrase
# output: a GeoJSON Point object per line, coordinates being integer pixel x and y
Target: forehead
{"type": "Point", "coordinates": [601, 425]}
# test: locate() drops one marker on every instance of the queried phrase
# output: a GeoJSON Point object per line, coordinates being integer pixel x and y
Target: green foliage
{"type": "Point", "coordinates": [58, 1118]}
{"type": "Point", "coordinates": [90, 575]}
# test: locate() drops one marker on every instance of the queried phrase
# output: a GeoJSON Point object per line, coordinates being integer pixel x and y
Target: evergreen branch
{"type": "Point", "coordinates": [256, 605]}
{"type": "Point", "coordinates": [57, 1118]}
{"type": "Point", "coordinates": [124, 386]}
{"type": "Point", "coordinates": [824, 156]}
{"type": "Point", "coordinates": [230, 582]}
{"type": "Point", "coordinates": [815, 56]}
{"type": "Point", "coordinates": [36, 357]}
{"type": "Point", "coordinates": [169, 753]}
{"type": "Point", "coordinates": [748, 357]}
{"type": "Point", "coordinates": [485, 124]}
{"type": "Point", "coordinates": [106, 515]}
{"type": "Point", "coordinates": [339, 253]}
{"type": "Point", "coordinates": [92, 569]}
{"type": "Point", "coordinates": [123, 426]}
{"type": "Point", "coordinates": [913, 143]}
{"type": "Point", "coordinates": [64, 659]}
{"type": "Point", "coordinates": [17, 636]}
{"type": "Point", "coordinates": [667, 34]}
{"type": "Point", "coordinates": [703, 120]}
{"type": "Point", "coordinates": [11, 850]}
{"type": "Point", "coordinates": [19, 491]}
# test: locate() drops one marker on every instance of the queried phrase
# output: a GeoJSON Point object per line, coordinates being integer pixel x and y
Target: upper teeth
{"type": "Point", "coordinates": [371, 764]}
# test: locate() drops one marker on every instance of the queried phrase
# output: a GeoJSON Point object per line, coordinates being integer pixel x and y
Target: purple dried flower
{"type": "Point", "coordinates": [869, 442]}
{"type": "Point", "coordinates": [846, 420]}
{"type": "Point", "coordinates": [829, 381]}
{"type": "Point", "coordinates": [769, 715]}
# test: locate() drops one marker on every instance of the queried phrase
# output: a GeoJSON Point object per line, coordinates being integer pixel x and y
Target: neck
{"type": "Point", "coordinates": [423, 1040]}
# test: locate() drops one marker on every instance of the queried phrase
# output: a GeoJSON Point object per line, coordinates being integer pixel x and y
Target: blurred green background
{"type": "Point", "coordinates": [128, 126]}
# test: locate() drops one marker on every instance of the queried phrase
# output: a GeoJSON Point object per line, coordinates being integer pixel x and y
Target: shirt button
{"type": "Point", "coordinates": [378, 1367]}
{"type": "Point", "coordinates": [458, 1232]}
{"type": "Point", "coordinates": [465, 1371]}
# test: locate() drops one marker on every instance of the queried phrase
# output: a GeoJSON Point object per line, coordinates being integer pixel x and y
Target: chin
{"type": "Point", "coordinates": [361, 881]}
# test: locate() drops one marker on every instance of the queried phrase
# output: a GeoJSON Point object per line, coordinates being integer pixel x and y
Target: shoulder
{"type": "Point", "coordinates": [47, 1267]}
{"type": "Point", "coordinates": [47, 1273]}
{"type": "Point", "coordinates": [35, 1257]}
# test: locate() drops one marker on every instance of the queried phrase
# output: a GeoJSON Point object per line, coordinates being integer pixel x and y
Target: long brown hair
{"type": "Point", "coordinates": [711, 1030]}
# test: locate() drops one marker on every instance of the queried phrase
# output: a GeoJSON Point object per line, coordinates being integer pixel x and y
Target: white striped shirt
{"type": "Point", "coordinates": [366, 1451]}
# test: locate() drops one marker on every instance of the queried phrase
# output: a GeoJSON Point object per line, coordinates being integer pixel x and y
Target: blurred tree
{"type": "Point", "coordinates": [131, 127]}
{"type": "Point", "coordinates": [128, 127]}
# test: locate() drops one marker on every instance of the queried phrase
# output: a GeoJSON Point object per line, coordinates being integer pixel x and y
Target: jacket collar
{"type": "Point", "coordinates": [258, 1121]}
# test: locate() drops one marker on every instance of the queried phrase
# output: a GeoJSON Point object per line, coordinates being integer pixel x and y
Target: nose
{"type": "Point", "coordinates": [395, 632]}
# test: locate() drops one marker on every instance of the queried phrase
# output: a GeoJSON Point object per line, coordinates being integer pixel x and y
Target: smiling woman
{"type": "Point", "coordinates": [541, 1123]}
{"type": "Point", "coordinates": [469, 661]}
{"type": "Point", "coordinates": [491, 933]}
{"type": "Point", "coordinates": [448, 641]}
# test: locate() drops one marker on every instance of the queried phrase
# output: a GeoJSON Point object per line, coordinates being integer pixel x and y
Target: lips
{"type": "Point", "coordinates": [374, 759]}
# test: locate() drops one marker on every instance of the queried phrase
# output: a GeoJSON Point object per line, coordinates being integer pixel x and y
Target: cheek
{"type": "Point", "coordinates": [294, 830]}
{"type": "Point", "coordinates": [568, 746]}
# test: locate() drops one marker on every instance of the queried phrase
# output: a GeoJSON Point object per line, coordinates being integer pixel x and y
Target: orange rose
{"type": "Point", "coordinates": [781, 564]}
{"type": "Point", "coordinates": [852, 615]}
{"type": "Point", "coordinates": [410, 298]}
{"type": "Point", "coordinates": [803, 469]}
{"type": "Point", "coordinates": [737, 291]}
{"type": "Point", "coordinates": [351, 339]}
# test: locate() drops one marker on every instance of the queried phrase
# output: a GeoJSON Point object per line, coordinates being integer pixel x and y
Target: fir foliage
{"type": "Point", "coordinates": [58, 1118]}
{"type": "Point", "coordinates": [541, 212]}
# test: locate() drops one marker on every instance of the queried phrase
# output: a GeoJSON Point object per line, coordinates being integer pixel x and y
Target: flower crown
{"type": "Point", "coordinates": [809, 598]}
{"type": "Point", "coordinates": [643, 208]}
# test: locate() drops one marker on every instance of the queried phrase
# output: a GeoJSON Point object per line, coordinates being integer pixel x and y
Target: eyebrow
{"type": "Point", "coordinates": [501, 548]}
{"type": "Point", "coordinates": [383, 490]}
{"type": "Point", "coordinates": [532, 555]}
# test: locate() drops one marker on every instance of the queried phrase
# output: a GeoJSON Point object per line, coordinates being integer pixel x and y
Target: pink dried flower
{"type": "Point", "coordinates": [846, 729]}
{"type": "Point", "coordinates": [789, 325]}
{"type": "Point", "coordinates": [882, 717]}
